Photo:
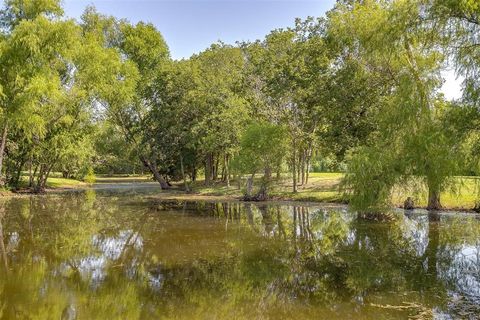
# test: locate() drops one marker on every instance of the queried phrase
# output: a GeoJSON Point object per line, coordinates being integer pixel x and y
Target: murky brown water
{"type": "Point", "coordinates": [115, 254]}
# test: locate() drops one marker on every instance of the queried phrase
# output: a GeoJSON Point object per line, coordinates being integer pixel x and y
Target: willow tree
{"type": "Point", "coordinates": [54, 71]}
{"type": "Point", "coordinates": [36, 50]}
{"type": "Point", "coordinates": [400, 45]}
{"type": "Point", "coordinates": [459, 23]}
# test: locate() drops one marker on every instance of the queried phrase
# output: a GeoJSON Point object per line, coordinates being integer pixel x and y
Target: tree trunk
{"type": "Point", "coordinates": [32, 182]}
{"type": "Point", "coordinates": [45, 173]}
{"type": "Point", "coordinates": [208, 168]}
{"type": "Point", "coordinates": [37, 188]}
{"type": "Point", "coordinates": [187, 188]}
{"type": "Point", "coordinates": [309, 159]}
{"type": "Point", "coordinates": [222, 176]}
{"type": "Point", "coordinates": [299, 168]}
{"type": "Point", "coordinates": [50, 169]}
{"type": "Point", "coordinates": [303, 167]}
{"type": "Point", "coordinates": [194, 174]}
{"type": "Point", "coordinates": [2, 152]}
{"type": "Point", "coordinates": [262, 194]}
{"type": "Point", "coordinates": [434, 199]}
{"type": "Point", "coordinates": [307, 172]}
{"type": "Point", "coordinates": [213, 171]}
{"type": "Point", "coordinates": [227, 173]}
{"type": "Point", "coordinates": [42, 178]}
{"type": "Point", "coordinates": [294, 168]}
{"type": "Point", "coordinates": [215, 168]}
{"type": "Point", "coordinates": [16, 179]}
{"type": "Point", "coordinates": [153, 169]}
{"type": "Point", "coordinates": [249, 187]}
{"type": "Point", "coordinates": [30, 173]}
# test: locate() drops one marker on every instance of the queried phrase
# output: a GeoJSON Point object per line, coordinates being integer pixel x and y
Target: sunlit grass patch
{"type": "Point", "coordinates": [64, 183]}
{"type": "Point", "coordinates": [122, 178]}
{"type": "Point", "coordinates": [326, 175]}
{"type": "Point", "coordinates": [461, 194]}
{"type": "Point", "coordinates": [313, 196]}
{"type": "Point", "coordinates": [324, 187]}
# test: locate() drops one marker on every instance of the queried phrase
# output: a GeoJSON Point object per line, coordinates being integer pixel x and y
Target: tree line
{"type": "Point", "coordinates": [360, 85]}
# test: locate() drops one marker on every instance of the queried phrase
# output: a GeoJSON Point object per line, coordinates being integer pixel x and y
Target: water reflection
{"type": "Point", "coordinates": [121, 255]}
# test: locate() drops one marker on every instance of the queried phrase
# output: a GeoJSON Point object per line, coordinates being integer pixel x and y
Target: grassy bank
{"type": "Point", "coordinates": [54, 182]}
{"type": "Point", "coordinates": [321, 187]}
{"type": "Point", "coordinates": [325, 187]}
{"type": "Point", "coordinates": [62, 183]}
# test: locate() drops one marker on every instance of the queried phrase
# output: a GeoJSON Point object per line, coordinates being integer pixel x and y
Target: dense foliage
{"type": "Point", "coordinates": [360, 86]}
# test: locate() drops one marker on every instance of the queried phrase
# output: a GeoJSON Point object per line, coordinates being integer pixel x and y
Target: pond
{"type": "Point", "coordinates": [120, 254]}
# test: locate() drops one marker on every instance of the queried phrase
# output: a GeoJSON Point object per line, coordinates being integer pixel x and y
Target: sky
{"type": "Point", "coordinates": [190, 26]}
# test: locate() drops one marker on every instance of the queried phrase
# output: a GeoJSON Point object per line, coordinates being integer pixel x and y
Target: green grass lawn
{"type": "Point", "coordinates": [122, 178]}
{"type": "Point", "coordinates": [64, 183]}
{"type": "Point", "coordinates": [58, 182]}
{"type": "Point", "coordinates": [55, 181]}
{"type": "Point", "coordinates": [462, 194]}
{"type": "Point", "coordinates": [324, 187]}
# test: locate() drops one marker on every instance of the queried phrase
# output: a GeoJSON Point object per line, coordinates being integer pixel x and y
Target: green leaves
{"type": "Point", "coordinates": [263, 146]}
{"type": "Point", "coordinates": [414, 138]}
{"type": "Point", "coordinates": [19, 10]}
{"type": "Point", "coordinates": [144, 45]}
{"type": "Point", "coordinates": [221, 110]}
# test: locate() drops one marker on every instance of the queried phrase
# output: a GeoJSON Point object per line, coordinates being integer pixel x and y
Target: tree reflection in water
{"type": "Point", "coordinates": [122, 256]}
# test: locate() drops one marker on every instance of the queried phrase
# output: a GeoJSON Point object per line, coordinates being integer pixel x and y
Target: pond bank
{"type": "Point", "coordinates": [179, 195]}
{"type": "Point", "coordinates": [322, 188]}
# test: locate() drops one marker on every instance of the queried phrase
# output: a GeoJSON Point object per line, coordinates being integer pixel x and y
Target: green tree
{"type": "Point", "coordinates": [145, 47]}
{"type": "Point", "coordinates": [409, 142]}
{"type": "Point", "coordinates": [459, 24]}
{"type": "Point", "coordinates": [222, 110]}
{"type": "Point", "coordinates": [171, 118]}
{"type": "Point", "coordinates": [289, 70]}
{"type": "Point", "coordinates": [112, 153]}
{"type": "Point", "coordinates": [36, 54]}
{"type": "Point", "coordinates": [262, 148]}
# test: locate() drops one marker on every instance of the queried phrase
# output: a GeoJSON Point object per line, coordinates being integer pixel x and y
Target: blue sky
{"type": "Point", "coordinates": [190, 26]}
